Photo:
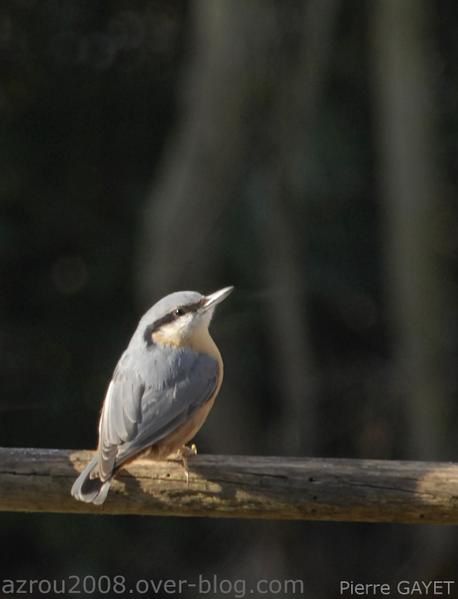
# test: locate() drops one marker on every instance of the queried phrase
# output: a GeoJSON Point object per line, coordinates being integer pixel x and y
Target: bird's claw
{"type": "Point", "coordinates": [185, 453]}
{"type": "Point", "coordinates": [188, 451]}
{"type": "Point", "coordinates": [182, 455]}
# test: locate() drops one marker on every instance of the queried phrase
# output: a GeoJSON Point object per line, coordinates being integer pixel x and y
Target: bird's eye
{"type": "Point", "coordinates": [178, 312]}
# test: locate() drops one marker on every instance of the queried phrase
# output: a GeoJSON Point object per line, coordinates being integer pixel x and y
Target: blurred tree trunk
{"type": "Point", "coordinates": [184, 225]}
{"type": "Point", "coordinates": [414, 219]}
{"type": "Point", "coordinates": [415, 215]}
{"type": "Point", "coordinates": [234, 111]}
{"type": "Point", "coordinates": [180, 245]}
{"type": "Point", "coordinates": [293, 111]}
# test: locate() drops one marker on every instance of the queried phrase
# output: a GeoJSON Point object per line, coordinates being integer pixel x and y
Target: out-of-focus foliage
{"type": "Point", "coordinates": [304, 152]}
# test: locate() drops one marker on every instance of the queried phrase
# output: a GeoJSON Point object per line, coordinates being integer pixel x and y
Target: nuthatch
{"type": "Point", "coordinates": [162, 389]}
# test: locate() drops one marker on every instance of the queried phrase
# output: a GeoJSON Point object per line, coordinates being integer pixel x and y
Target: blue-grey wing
{"type": "Point", "coordinates": [121, 415]}
{"type": "Point", "coordinates": [152, 394]}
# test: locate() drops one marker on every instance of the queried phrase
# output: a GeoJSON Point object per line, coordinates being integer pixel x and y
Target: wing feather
{"type": "Point", "coordinates": [141, 409]}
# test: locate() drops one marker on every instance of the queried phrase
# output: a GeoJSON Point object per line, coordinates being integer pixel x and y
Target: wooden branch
{"type": "Point", "coordinates": [39, 480]}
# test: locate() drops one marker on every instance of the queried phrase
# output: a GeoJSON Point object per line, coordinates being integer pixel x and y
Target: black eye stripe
{"type": "Point", "coordinates": [168, 318]}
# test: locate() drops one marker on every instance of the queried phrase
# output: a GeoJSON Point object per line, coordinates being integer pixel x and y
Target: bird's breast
{"type": "Point", "coordinates": [202, 343]}
{"type": "Point", "coordinates": [185, 432]}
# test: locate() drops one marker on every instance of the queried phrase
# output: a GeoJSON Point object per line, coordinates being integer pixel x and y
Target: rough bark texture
{"type": "Point", "coordinates": [39, 480]}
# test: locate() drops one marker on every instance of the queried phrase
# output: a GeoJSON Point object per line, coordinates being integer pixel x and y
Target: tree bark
{"type": "Point", "coordinates": [39, 480]}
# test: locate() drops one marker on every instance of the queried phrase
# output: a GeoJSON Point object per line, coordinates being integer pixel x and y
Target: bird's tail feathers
{"type": "Point", "coordinates": [90, 490]}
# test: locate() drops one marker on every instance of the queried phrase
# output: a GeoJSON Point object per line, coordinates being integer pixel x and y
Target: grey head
{"type": "Point", "coordinates": [178, 316]}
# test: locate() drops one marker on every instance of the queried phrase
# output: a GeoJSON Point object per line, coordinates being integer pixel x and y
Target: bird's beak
{"type": "Point", "coordinates": [216, 297]}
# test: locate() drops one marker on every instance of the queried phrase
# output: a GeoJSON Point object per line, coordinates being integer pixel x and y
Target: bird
{"type": "Point", "coordinates": [161, 392]}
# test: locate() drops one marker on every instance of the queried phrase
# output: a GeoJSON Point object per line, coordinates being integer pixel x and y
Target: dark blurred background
{"type": "Point", "coordinates": [303, 151]}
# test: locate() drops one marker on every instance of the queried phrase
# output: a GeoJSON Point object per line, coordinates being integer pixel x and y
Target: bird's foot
{"type": "Point", "coordinates": [188, 451]}
{"type": "Point", "coordinates": [184, 452]}
{"type": "Point", "coordinates": [182, 455]}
